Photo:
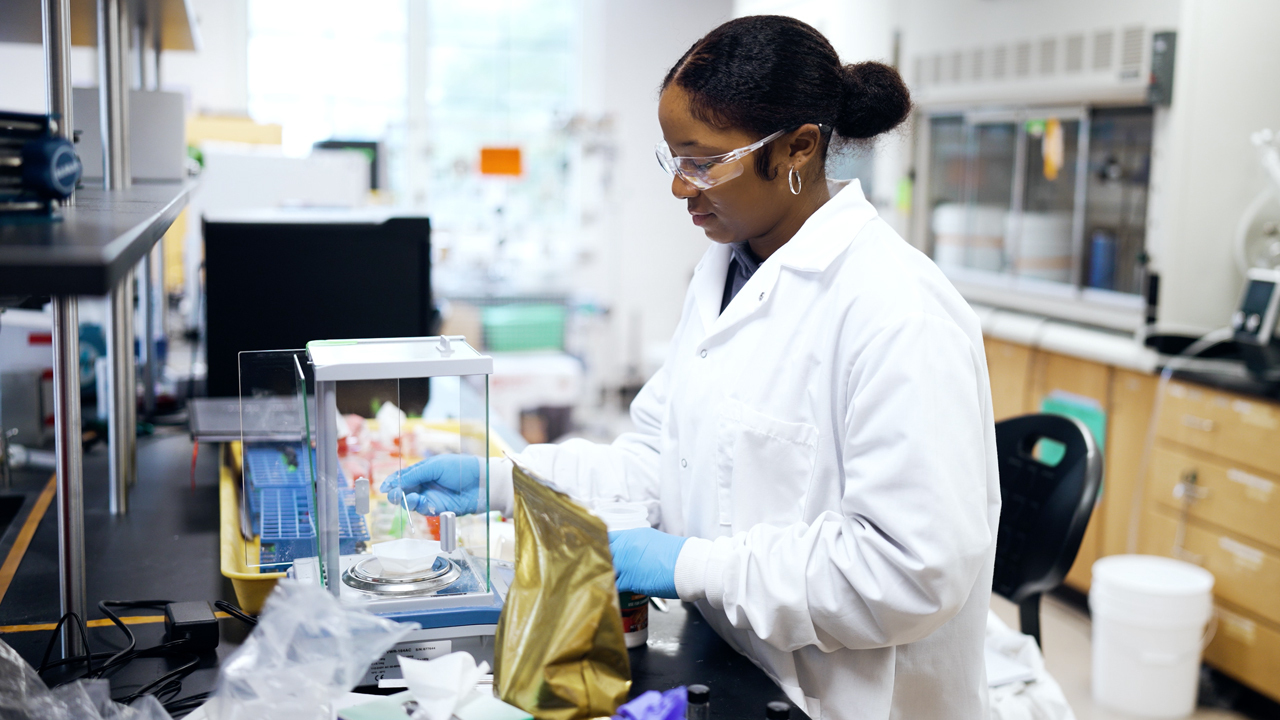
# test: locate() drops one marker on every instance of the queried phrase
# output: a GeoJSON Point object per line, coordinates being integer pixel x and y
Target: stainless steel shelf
{"type": "Point", "coordinates": [89, 247]}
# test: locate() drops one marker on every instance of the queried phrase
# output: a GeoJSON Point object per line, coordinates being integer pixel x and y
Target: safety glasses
{"type": "Point", "coordinates": [707, 172]}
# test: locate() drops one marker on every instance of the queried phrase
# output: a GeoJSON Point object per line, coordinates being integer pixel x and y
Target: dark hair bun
{"type": "Point", "coordinates": [873, 100]}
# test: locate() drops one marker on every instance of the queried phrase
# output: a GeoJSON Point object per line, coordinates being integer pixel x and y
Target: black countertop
{"type": "Point", "coordinates": [86, 248]}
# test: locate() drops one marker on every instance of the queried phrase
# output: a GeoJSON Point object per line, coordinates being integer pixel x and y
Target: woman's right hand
{"type": "Point", "coordinates": [437, 484]}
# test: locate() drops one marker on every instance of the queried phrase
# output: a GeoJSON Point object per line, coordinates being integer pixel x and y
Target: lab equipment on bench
{"type": "Point", "coordinates": [1254, 323]}
{"type": "Point", "coordinates": [37, 168]}
{"type": "Point", "coordinates": [635, 606]}
{"type": "Point", "coordinates": [368, 410]}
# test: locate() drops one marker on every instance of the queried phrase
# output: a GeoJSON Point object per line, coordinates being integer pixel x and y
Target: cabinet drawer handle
{"type": "Point", "coordinates": [1198, 423]}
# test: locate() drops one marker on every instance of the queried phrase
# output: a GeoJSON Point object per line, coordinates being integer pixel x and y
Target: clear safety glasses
{"type": "Point", "coordinates": [707, 172]}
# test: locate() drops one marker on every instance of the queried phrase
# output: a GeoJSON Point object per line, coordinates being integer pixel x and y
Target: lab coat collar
{"type": "Point", "coordinates": [819, 241]}
{"type": "Point", "coordinates": [829, 230]}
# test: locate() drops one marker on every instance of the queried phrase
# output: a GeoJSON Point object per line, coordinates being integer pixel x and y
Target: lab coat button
{"type": "Point", "coordinates": [761, 296]}
{"type": "Point", "coordinates": [703, 353]}
{"type": "Point", "coordinates": [684, 463]}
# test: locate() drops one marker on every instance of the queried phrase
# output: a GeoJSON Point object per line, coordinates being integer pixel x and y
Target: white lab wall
{"type": "Point", "coordinates": [1226, 75]}
{"type": "Point", "coordinates": [644, 258]}
{"type": "Point", "coordinates": [213, 79]}
{"type": "Point", "coordinates": [858, 30]}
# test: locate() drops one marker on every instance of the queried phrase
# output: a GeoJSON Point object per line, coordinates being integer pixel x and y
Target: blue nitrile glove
{"type": "Point", "coordinates": [654, 705]}
{"type": "Point", "coordinates": [437, 484]}
{"type": "Point", "coordinates": [645, 561]}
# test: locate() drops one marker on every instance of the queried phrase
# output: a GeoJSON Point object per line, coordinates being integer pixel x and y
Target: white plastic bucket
{"type": "Point", "coordinates": [1149, 618]}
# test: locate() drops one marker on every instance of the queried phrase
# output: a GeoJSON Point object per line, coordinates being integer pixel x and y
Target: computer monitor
{"type": "Point", "coordinates": [282, 278]}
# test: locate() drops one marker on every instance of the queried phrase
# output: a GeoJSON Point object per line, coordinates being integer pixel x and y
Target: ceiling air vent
{"type": "Point", "coordinates": [1075, 54]}
{"type": "Point", "coordinates": [1102, 42]}
{"type": "Point", "coordinates": [1131, 53]}
{"type": "Point", "coordinates": [1022, 59]}
{"type": "Point", "coordinates": [919, 71]}
{"type": "Point", "coordinates": [935, 74]}
{"type": "Point", "coordinates": [999, 62]}
{"type": "Point", "coordinates": [1048, 56]}
{"type": "Point", "coordinates": [976, 65]}
{"type": "Point", "coordinates": [957, 66]}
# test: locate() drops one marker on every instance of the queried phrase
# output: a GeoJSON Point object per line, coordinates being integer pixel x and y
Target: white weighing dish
{"type": "Point", "coordinates": [407, 555]}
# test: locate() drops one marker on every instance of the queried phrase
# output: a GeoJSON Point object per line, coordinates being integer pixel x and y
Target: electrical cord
{"type": "Point", "coordinates": [167, 686]}
{"type": "Point", "coordinates": [87, 657]}
{"type": "Point", "coordinates": [173, 677]}
{"type": "Point", "coordinates": [105, 606]}
{"type": "Point", "coordinates": [182, 706]}
{"type": "Point", "coordinates": [235, 612]}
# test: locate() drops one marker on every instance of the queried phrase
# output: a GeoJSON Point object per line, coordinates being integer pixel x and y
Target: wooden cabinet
{"type": "Point", "coordinates": [1009, 367]}
{"type": "Point", "coordinates": [1054, 373]}
{"type": "Point", "coordinates": [1246, 649]}
{"type": "Point", "coordinates": [1133, 397]}
{"type": "Point", "coordinates": [1222, 423]}
{"type": "Point", "coordinates": [1212, 500]}
{"type": "Point", "coordinates": [1222, 448]}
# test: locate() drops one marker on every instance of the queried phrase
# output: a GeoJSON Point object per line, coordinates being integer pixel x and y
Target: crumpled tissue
{"type": "Point", "coordinates": [441, 685]}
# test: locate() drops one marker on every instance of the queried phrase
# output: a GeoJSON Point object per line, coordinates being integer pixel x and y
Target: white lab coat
{"type": "Point", "coordinates": [827, 444]}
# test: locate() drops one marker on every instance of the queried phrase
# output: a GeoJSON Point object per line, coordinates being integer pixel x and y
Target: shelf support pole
{"type": "Point", "coordinates": [113, 93]}
{"type": "Point", "coordinates": [56, 25]}
{"type": "Point", "coordinates": [121, 394]}
{"type": "Point", "coordinates": [68, 451]}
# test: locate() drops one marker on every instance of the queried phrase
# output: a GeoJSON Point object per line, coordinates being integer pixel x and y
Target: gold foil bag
{"type": "Point", "coordinates": [560, 653]}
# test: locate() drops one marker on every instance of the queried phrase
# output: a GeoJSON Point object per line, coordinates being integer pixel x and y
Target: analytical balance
{"type": "Point", "coordinates": [369, 409]}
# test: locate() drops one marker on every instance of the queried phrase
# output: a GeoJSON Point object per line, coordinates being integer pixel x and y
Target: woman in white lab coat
{"type": "Point", "coordinates": [817, 453]}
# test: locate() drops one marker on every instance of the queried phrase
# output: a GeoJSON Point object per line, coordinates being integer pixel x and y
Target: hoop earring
{"type": "Point", "coordinates": [794, 182]}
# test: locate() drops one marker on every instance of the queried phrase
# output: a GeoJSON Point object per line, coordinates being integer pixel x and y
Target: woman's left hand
{"type": "Point", "coordinates": [645, 561]}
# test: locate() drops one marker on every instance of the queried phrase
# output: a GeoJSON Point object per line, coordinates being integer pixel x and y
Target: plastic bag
{"type": "Point", "coordinates": [24, 696]}
{"type": "Point", "coordinates": [559, 651]}
{"type": "Point", "coordinates": [307, 650]}
{"type": "Point", "coordinates": [1040, 699]}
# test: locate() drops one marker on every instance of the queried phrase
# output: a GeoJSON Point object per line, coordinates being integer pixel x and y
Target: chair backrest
{"type": "Point", "coordinates": [1045, 508]}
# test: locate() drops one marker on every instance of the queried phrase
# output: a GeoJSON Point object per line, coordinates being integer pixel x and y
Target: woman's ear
{"type": "Point", "coordinates": [802, 145]}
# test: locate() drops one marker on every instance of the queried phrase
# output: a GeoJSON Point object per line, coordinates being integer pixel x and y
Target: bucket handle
{"type": "Point", "coordinates": [1148, 657]}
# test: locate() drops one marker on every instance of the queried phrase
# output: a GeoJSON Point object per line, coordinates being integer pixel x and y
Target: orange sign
{"type": "Point", "coordinates": [500, 161]}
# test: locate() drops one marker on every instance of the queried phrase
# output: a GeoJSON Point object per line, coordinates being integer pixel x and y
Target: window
{"type": "Point", "coordinates": [1040, 201]}
{"type": "Point", "coordinates": [322, 70]}
{"type": "Point", "coordinates": [502, 73]}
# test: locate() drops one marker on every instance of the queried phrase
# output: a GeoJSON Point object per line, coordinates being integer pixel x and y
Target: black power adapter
{"type": "Point", "coordinates": [192, 621]}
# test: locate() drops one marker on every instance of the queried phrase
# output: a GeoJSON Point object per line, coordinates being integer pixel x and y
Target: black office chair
{"type": "Point", "coordinates": [1045, 508]}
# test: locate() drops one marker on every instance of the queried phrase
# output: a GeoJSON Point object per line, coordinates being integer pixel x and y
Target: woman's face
{"type": "Point", "coordinates": [744, 208]}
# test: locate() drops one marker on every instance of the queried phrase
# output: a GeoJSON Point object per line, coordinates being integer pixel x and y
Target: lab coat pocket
{"type": "Point", "coordinates": [764, 466]}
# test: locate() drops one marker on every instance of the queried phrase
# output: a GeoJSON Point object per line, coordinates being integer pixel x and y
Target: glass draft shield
{"type": "Point", "coordinates": [707, 172]}
{"type": "Point", "coordinates": [348, 415]}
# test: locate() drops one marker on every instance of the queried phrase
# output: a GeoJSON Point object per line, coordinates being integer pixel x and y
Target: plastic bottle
{"type": "Point", "coordinates": [699, 703]}
{"type": "Point", "coordinates": [635, 607]}
{"type": "Point", "coordinates": [777, 710]}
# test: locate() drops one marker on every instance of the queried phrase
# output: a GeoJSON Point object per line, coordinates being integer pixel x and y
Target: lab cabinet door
{"type": "Point", "coordinates": [972, 166]}
{"type": "Point", "coordinates": [1009, 367]}
{"type": "Point", "coordinates": [1042, 242]}
{"type": "Point", "coordinates": [1068, 380]}
{"type": "Point", "coordinates": [1133, 397]}
{"type": "Point", "coordinates": [1115, 223]}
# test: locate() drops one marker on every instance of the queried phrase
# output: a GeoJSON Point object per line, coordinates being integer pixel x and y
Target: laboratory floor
{"type": "Point", "coordinates": [1065, 631]}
